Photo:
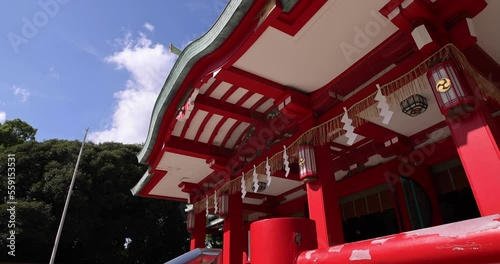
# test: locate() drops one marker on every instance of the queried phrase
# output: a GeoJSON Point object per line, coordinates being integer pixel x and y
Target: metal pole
{"type": "Point", "coordinates": [70, 191]}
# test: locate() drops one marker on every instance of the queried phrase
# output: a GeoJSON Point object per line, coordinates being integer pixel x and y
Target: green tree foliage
{"type": "Point", "coordinates": [102, 212]}
{"type": "Point", "coordinates": [16, 131]}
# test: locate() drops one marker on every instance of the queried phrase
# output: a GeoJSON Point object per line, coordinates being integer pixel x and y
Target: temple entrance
{"type": "Point", "coordinates": [455, 196]}
{"type": "Point", "coordinates": [369, 214]}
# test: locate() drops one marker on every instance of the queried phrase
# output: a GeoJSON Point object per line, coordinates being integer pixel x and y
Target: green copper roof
{"type": "Point", "coordinates": [210, 41]}
{"type": "Point", "coordinates": [288, 5]}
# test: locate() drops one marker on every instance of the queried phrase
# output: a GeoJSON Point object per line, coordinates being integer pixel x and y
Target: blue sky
{"type": "Point", "coordinates": [70, 64]}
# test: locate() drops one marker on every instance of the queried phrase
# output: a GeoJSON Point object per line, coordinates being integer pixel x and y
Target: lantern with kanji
{"type": "Point", "coordinates": [451, 88]}
{"type": "Point", "coordinates": [190, 220]}
{"type": "Point", "coordinates": [307, 163]}
{"type": "Point", "coordinates": [223, 201]}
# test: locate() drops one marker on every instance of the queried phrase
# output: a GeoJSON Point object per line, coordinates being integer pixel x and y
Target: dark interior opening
{"type": "Point", "coordinates": [370, 226]}
{"type": "Point", "coordinates": [455, 196]}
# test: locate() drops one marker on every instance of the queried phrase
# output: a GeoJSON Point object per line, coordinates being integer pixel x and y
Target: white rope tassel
{"type": "Point", "coordinates": [216, 203]}
{"type": "Point", "coordinates": [268, 172]}
{"type": "Point", "coordinates": [206, 205]}
{"type": "Point", "coordinates": [351, 136]}
{"type": "Point", "coordinates": [243, 186]}
{"type": "Point", "coordinates": [383, 106]}
{"type": "Point", "coordinates": [285, 162]}
{"type": "Point", "coordinates": [255, 180]}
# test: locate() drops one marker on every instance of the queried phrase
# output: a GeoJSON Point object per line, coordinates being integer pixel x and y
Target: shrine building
{"type": "Point", "coordinates": [331, 131]}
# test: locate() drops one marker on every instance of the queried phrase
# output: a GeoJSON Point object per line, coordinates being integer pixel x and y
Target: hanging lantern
{"type": "Point", "coordinates": [190, 221]}
{"type": "Point", "coordinates": [223, 205]}
{"type": "Point", "coordinates": [259, 186]}
{"type": "Point", "coordinates": [307, 163]}
{"type": "Point", "coordinates": [451, 88]}
{"type": "Point", "coordinates": [414, 105]}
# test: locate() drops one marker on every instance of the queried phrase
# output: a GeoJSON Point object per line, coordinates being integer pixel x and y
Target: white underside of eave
{"type": "Point", "coordinates": [179, 168]}
{"type": "Point", "coordinates": [209, 128]}
{"type": "Point", "coordinates": [224, 129]}
{"type": "Point", "coordinates": [486, 27]}
{"type": "Point", "coordinates": [324, 48]}
{"type": "Point", "coordinates": [406, 125]}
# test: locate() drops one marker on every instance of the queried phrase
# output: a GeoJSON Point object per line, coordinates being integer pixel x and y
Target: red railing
{"type": "Point", "coordinates": [472, 241]}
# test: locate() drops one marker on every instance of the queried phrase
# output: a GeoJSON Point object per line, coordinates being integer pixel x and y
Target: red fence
{"type": "Point", "coordinates": [472, 241]}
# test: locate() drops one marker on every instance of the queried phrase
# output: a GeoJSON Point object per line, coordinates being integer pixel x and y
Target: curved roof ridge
{"type": "Point", "coordinates": [204, 45]}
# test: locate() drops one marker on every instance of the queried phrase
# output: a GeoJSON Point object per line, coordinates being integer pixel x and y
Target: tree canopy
{"type": "Point", "coordinates": [102, 215]}
{"type": "Point", "coordinates": [16, 131]}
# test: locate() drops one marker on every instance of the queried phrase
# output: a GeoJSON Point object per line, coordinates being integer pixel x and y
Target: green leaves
{"type": "Point", "coordinates": [102, 212]}
{"type": "Point", "coordinates": [16, 131]}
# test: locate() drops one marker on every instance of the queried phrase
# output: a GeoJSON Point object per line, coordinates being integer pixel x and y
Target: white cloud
{"type": "Point", "coordinates": [54, 74]}
{"type": "Point", "coordinates": [148, 65]}
{"type": "Point", "coordinates": [149, 27]}
{"type": "Point", "coordinates": [23, 93]}
{"type": "Point", "coordinates": [3, 115]}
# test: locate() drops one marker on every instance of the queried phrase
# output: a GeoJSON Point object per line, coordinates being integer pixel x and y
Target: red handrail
{"type": "Point", "coordinates": [472, 241]}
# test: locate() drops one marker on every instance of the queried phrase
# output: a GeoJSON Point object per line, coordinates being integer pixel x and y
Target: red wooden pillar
{"type": "Point", "coordinates": [246, 245]}
{"type": "Point", "coordinates": [474, 137]}
{"type": "Point", "coordinates": [232, 249]}
{"type": "Point", "coordinates": [199, 232]}
{"type": "Point", "coordinates": [324, 207]}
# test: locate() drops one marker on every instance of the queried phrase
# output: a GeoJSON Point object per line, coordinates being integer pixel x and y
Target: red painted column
{"type": "Point", "coordinates": [232, 249]}
{"type": "Point", "coordinates": [199, 232]}
{"type": "Point", "coordinates": [474, 137]}
{"type": "Point", "coordinates": [324, 207]}
{"type": "Point", "coordinates": [246, 245]}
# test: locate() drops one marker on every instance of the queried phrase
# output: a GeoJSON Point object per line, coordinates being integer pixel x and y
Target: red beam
{"type": "Point", "coordinates": [188, 122]}
{"type": "Point", "coordinates": [422, 136]}
{"type": "Point", "coordinates": [240, 138]}
{"type": "Point", "coordinates": [216, 130]}
{"type": "Point", "coordinates": [202, 126]}
{"type": "Point", "coordinates": [222, 108]}
{"type": "Point", "coordinates": [157, 176]}
{"type": "Point", "coordinates": [195, 149]}
{"type": "Point", "coordinates": [212, 87]}
{"type": "Point", "coordinates": [188, 187]}
{"type": "Point", "coordinates": [244, 98]}
{"type": "Point", "coordinates": [163, 197]}
{"type": "Point", "coordinates": [339, 146]}
{"type": "Point", "coordinates": [258, 208]}
{"type": "Point", "coordinates": [291, 207]}
{"type": "Point", "coordinates": [267, 199]}
{"type": "Point", "coordinates": [291, 22]}
{"type": "Point", "coordinates": [228, 93]}
{"type": "Point", "coordinates": [229, 134]}
{"type": "Point", "coordinates": [251, 82]}
{"type": "Point", "coordinates": [378, 133]}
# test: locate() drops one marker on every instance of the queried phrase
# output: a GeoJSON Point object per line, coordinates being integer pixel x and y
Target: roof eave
{"type": "Point", "coordinates": [231, 16]}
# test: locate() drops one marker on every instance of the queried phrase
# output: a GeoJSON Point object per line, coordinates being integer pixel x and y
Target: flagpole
{"type": "Point", "coordinates": [70, 191]}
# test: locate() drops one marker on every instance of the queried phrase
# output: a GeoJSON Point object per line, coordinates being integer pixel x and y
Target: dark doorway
{"type": "Point", "coordinates": [369, 214]}
{"type": "Point", "coordinates": [455, 196]}
{"type": "Point", "coordinates": [370, 226]}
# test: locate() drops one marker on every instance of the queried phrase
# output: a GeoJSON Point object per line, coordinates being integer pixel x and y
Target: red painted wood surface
{"type": "Point", "coordinates": [478, 150]}
{"type": "Point", "coordinates": [280, 240]}
{"type": "Point", "coordinates": [232, 249]}
{"type": "Point", "coordinates": [472, 241]}
{"type": "Point", "coordinates": [198, 235]}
